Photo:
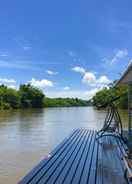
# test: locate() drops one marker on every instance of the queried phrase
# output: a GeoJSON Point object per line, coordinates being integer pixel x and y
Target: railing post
{"type": "Point", "coordinates": [130, 120]}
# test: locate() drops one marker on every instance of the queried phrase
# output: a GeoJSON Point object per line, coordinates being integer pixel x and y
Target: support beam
{"type": "Point", "coordinates": [129, 110]}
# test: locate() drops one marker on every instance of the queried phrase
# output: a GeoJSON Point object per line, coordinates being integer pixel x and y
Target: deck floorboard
{"type": "Point", "coordinates": [80, 159]}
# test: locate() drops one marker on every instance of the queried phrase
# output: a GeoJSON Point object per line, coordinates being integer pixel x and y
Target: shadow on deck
{"type": "Point", "coordinates": [80, 159]}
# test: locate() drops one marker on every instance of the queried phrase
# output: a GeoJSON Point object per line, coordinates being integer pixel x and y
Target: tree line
{"type": "Point", "coordinates": [106, 94]}
{"type": "Point", "coordinates": [28, 96]}
{"type": "Point", "coordinates": [65, 102]}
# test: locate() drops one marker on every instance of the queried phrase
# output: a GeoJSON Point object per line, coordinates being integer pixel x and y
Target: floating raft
{"type": "Point", "coordinates": [80, 159]}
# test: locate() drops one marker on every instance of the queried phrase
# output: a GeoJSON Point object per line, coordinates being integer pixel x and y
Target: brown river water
{"type": "Point", "coordinates": [27, 136]}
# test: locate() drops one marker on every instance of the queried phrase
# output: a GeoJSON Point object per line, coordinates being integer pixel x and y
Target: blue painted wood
{"type": "Point", "coordinates": [73, 147]}
{"type": "Point", "coordinates": [65, 168]}
{"type": "Point", "coordinates": [80, 159]}
{"type": "Point", "coordinates": [81, 164]}
{"type": "Point", "coordinates": [72, 171]}
{"type": "Point", "coordinates": [58, 150]}
{"type": "Point", "coordinates": [86, 171]}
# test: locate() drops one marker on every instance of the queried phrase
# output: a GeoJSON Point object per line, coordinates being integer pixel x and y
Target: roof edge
{"type": "Point", "coordinates": [119, 82]}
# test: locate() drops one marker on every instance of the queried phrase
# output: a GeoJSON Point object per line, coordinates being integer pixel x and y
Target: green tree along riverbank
{"type": "Point", "coordinates": [28, 96]}
{"type": "Point", "coordinates": [65, 102]}
{"type": "Point", "coordinates": [106, 95]}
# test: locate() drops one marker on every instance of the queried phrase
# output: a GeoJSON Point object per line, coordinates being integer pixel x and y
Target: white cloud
{"type": "Point", "coordinates": [5, 80]}
{"type": "Point", "coordinates": [66, 88]}
{"type": "Point", "coordinates": [89, 78]}
{"type": "Point", "coordinates": [122, 53]}
{"type": "Point", "coordinates": [11, 83]}
{"type": "Point", "coordinates": [50, 72]}
{"type": "Point", "coordinates": [12, 86]}
{"type": "Point", "coordinates": [89, 94]}
{"type": "Point", "coordinates": [83, 94]}
{"type": "Point", "coordinates": [119, 55]}
{"type": "Point", "coordinates": [41, 83]}
{"type": "Point", "coordinates": [103, 80]}
{"type": "Point", "coordinates": [79, 69]}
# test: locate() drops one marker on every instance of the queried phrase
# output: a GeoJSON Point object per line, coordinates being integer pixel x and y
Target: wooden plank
{"type": "Point", "coordinates": [81, 164]}
{"type": "Point", "coordinates": [49, 178]}
{"type": "Point", "coordinates": [93, 168]}
{"type": "Point", "coordinates": [76, 159]}
{"type": "Point", "coordinates": [80, 159]}
{"type": "Point", "coordinates": [66, 168]}
{"type": "Point", "coordinates": [87, 167]}
{"type": "Point", "coordinates": [57, 150]}
{"type": "Point", "coordinates": [51, 166]}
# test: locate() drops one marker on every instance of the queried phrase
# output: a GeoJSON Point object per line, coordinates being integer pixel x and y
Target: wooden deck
{"type": "Point", "coordinates": [80, 159]}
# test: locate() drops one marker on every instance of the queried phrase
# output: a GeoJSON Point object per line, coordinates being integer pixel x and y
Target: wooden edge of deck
{"type": "Point", "coordinates": [80, 159]}
{"type": "Point", "coordinates": [44, 160]}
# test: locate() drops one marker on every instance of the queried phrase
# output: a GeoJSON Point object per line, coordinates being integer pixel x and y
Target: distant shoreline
{"type": "Point", "coordinates": [28, 96]}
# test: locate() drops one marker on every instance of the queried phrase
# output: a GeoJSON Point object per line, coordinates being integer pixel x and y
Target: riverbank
{"type": "Point", "coordinates": [28, 96]}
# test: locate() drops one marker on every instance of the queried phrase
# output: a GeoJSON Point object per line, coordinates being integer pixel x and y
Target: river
{"type": "Point", "coordinates": [27, 136]}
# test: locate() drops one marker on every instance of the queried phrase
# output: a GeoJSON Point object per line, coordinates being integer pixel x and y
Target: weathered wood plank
{"type": "Point", "coordinates": [60, 177]}
{"type": "Point", "coordinates": [80, 159]}
{"type": "Point", "coordinates": [72, 171]}
{"type": "Point", "coordinates": [81, 163]}
{"type": "Point", "coordinates": [93, 169]}
{"type": "Point", "coordinates": [52, 165]}
{"type": "Point", "coordinates": [57, 150]}
{"type": "Point", "coordinates": [74, 149]}
{"type": "Point", "coordinates": [87, 167]}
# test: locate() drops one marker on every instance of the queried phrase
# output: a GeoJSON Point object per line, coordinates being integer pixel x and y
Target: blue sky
{"type": "Point", "coordinates": [67, 48]}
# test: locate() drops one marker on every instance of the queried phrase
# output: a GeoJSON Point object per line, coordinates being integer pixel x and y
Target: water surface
{"type": "Point", "coordinates": [27, 136]}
